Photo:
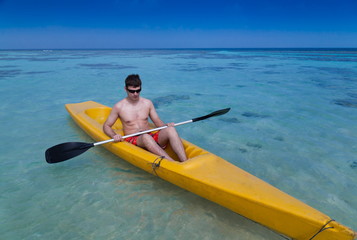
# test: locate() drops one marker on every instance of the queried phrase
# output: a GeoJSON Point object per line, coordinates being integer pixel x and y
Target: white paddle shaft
{"type": "Point", "coordinates": [142, 132]}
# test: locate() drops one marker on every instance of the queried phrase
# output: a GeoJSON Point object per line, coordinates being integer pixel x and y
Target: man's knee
{"type": "Point", "coordinates": [171, 130]}
{"type": "Point", "coordinates": [146, 140]}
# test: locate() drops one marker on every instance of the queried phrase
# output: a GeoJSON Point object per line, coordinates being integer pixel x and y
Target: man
{"type": "Point", "coordinates": [134, 112]}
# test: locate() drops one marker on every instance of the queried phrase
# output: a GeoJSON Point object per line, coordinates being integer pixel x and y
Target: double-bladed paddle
{"type": "Point", "coordinates": [65, 151]}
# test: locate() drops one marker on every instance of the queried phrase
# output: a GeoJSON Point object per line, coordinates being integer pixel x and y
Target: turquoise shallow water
{"type": "Point", "coordinates": [292, 124]}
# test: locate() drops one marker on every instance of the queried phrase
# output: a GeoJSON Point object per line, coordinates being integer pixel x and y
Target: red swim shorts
{"type": "Point", "coordinates": [133, 140]}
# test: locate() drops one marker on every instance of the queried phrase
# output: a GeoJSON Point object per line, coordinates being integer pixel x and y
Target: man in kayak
{"type": "Point", "coordinates": [134, 112]}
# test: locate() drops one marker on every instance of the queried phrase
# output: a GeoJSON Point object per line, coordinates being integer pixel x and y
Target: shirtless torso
{"type": "Point", "coordinates": [134, 116]}
{"type": "Point", "coordinates": [134, 113]}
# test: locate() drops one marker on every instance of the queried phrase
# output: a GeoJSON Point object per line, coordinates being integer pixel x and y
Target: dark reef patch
{"type": "Point", "coordinates": [281, 139]}
{"type": "Point", "coordinates": [337, 70]}
{"type": "Point", "coordinates": [325, 58]}
{"type": "Point", "coordinates": [344, 74]}
{"type": "Point", "coordinates": [196, 68]}
{"type": "Point", "coordinates": [254, 115]}
{"type": "Point", "coordinates": [9, 73]}
{"type": "Point", "coordinates": [230, 120]}
{"type": "Point", "coordinates": [44, 59]}
{"type": "Point", "coordinates": [166, 100]}
{"type": "Point", "coordinates": [270, 72]}
{"type": "Point", "coordinates": [272, 65]}
{"type": "Point", "coordinates": [254, 145]}
{"type": "Point", "coordinates": [211, 55]}
{"type": "Point", "coordinates": [238, 65]}
{"type": "Point", "coordinates": [192, 67]}
{"type": "Point", "coordinates": [16, 72]}
{"type": "Point", "coordinates": [327, 85]}
{"type": "Point", "coordinates": [39, 58]}
{"type": "Point", "coordinates": [352, 95]}
{"type": "Point", "coordinates": [123, 170]}
{"type": "Point", "coordinates": [242, 150]}
{"type": "Point", "coordinates": [37, 72]}
{"type": "Point", "coordinates": [352, 103]}
{"type": "Point", "coordinates": [8, 66]}
{"type": "Point", "coordinates": [354, 165]}
{"type": "Point", "coordinates": [105, 66]}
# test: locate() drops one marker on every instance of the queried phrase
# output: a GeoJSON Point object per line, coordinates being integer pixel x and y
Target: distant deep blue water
{"type": "Point", "coordinates": [292, 124]}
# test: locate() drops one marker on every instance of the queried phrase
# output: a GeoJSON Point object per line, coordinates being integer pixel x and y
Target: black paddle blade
{"type": "Point", "coordinates": [216, 113]}
{"type": "Point", "coordinates": [65, 151]}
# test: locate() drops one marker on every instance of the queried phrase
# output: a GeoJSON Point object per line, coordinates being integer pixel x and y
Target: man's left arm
{"type": "Point", "coordinates": [155, 117]}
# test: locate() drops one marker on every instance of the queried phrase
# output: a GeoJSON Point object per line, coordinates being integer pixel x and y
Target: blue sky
{"type": "Point", "coordinates": [49, 24]}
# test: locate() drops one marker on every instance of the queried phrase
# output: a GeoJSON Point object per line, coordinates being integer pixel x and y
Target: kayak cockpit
{"type": "Point", "coordinates": [100, 115]}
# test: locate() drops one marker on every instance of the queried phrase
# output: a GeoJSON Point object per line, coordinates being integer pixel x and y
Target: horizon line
{"type": "Point", "coordinates": [185, 48]}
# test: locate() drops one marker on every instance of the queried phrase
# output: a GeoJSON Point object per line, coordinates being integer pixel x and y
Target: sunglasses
{"type": "Point", "coordinates": [134, 91]}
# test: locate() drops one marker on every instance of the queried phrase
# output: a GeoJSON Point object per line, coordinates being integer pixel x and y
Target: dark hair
{"type": "Point", "coordinates": [133, 80]}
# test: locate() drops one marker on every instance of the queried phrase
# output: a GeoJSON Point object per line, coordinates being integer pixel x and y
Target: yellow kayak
{"type": "Point", "coordinates": [213, 178]}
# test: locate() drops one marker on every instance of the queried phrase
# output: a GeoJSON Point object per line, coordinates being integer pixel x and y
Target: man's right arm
{"type": "Point", "coordinates": [107, 126]}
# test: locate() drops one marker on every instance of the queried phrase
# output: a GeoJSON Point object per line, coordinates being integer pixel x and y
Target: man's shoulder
{"type": "Point", "coordinates": [145, 100]}
{"type": "Point", "coordinates": [120, 104]}
{"type": "Point", "coordinates": [148, 103]}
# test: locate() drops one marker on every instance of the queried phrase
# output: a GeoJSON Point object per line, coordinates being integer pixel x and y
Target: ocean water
{"type": "Point", "coordinates": [292, 123]}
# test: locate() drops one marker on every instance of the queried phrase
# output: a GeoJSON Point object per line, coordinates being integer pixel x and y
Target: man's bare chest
{"type": "Point", "coordinates": [134, 114]}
